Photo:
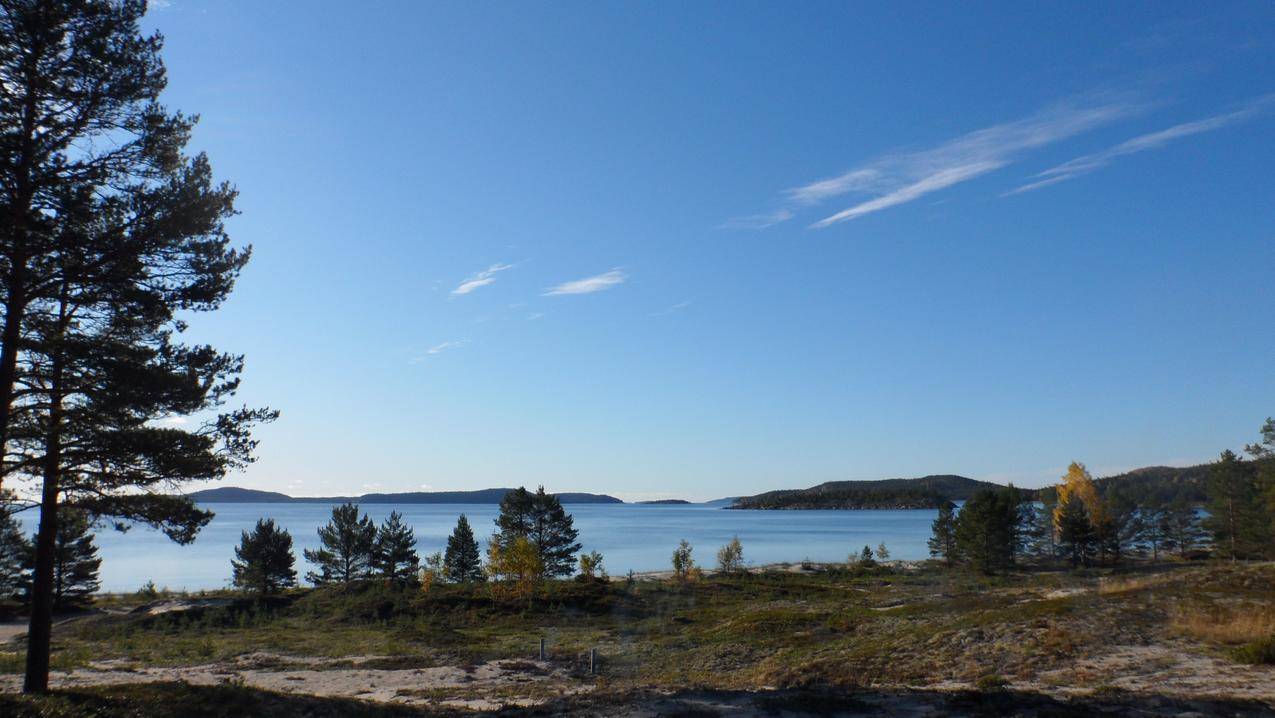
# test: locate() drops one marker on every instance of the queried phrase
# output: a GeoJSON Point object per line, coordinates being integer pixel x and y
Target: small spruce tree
{"type": "Point", "coordinates": [75, 561]}
{"type": "Point", "coordinates": [15, 559]}
{"type": "Point", "coordinates": [347, 542]}
{"type": "Point", "coordinates": [942, 542]}
{"type": "Point", "coordinates": [866, 558]}
{"type": "Point", "coordinates": [987, 529]}
{"type": "Point", "coordinates": [1075, 531]}
{"type": "Point", "coordinates": [462, 563]}
{"type": "Point", "coordinates": [264, 561]}
{"type": "Point", "coordinates": [394, 553]}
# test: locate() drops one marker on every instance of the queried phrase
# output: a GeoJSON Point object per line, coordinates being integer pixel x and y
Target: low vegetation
{"type": "Point", "coordinates": [859, 627]}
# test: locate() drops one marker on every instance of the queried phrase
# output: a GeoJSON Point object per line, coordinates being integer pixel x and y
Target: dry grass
{"type": "Point", "coordinates": [1226, 624]}
{"type": "Point", "coordinates": [1119, 585]}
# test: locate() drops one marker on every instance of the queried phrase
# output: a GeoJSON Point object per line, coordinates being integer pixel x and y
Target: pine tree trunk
{"type": "Point", "coordinates": [14, 309]}
{"type": "Point", "coordinates": [40, 631]}
{"type": "Point", "coordinates": [16, 305]}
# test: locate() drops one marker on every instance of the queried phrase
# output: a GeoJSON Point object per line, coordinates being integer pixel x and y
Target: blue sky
{"type": "Point", "coordinates": [699, 250]}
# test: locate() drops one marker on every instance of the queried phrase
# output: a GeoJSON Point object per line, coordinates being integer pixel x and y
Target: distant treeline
{"type": "Point", "coordinates": [906, 498]}
{"type": "Point", "coordinates": [234, 494]}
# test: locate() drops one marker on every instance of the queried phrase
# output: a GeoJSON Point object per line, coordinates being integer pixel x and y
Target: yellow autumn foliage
{"type": "Point", "coordinates": [1078, 483]}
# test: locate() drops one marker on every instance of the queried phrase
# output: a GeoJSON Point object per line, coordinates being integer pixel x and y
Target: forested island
{"type": "Point", "coordinates": [927, 492]}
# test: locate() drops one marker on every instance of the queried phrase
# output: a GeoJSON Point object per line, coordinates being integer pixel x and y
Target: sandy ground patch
{"type": "Point", "coordinates": [484, 686]}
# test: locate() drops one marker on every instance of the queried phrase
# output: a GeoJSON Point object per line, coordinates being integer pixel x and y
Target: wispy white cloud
{"type": "Point", "coordinates": [944, 177]}
{"type": "Point", "coordinates": [588, 285]}
{"type": "Point", "coordinates": [758, 221]}
{"type": "Point", "coordinates": [535, 315]}
{"type": "Point", "coordinates": [866, 179]}
{"type": "Point", "coordinates": [900, 178]}
{"type": "Point", "coordinates": [1089, 163]}
{"type": "Point", "coordinates": [439, 349]}
{"type": "Point", "coordinates": [481, 279]}
{"type": "Point", "coordinates": [675, 308]}
{"type": "Point", "coordinates": [174, 421]}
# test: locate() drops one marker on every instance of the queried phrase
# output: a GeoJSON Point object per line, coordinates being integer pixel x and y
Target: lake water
{"type": "Point", "coordinates": [629, 536]}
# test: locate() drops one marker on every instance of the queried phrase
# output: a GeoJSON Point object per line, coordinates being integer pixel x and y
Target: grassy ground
{"type": "Point", "coordinates": [840, 629]}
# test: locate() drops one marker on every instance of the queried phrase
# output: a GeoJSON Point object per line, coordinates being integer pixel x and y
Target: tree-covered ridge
{"type": "Point", "coordinates": [927, 492]}
{"type": "Point", "coordinates": [1165, 483]}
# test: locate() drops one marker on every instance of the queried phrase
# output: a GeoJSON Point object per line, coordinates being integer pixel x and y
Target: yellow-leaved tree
{"type": "Point", "coordinates": [1079, 484]}
{"type": "Point", "coordinates": [516, 568]}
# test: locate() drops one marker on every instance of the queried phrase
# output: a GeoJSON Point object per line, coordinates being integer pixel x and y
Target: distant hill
{"type": "Point", "coordinates": [236, 495]}
{"type": "Point", "coordinates": [232, 494]}
{"type": "Point", "coordinates": [1162, 484]}
{"type": "Point", "coordinates": [922, 493]}
{"type": "Point", "coordinates": [664, 502]}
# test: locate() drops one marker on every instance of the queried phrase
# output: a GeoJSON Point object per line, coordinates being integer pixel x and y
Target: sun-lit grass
{"type": "Point", "coordinates": [1116, 585]}
{"type": "Point", "coordinates": [1225, 624]}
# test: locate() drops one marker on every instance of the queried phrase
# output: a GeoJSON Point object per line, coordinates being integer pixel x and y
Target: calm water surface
{"type": "Point", "coordinates": [636, 537]}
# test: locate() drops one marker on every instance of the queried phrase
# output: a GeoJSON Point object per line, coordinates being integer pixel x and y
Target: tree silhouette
{"type": "Point", "coordinates": [75, 561]}
{"type": "Point", "coordinates": [540, 519]}
{"type": "Point", "coordinates": [263, 560]}
{"type": "Point", "coordinates": [347, 545]}
{"type": "Point", "coordinates": [942, 542]}
{"type": "Point", "coordinates": [462, 562]}
{"type": "Point", "coordinates": [109, 232]}
{"type": "Point", "coordinates": [394, 553]}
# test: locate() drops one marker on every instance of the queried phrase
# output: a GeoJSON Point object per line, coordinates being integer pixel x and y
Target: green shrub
{"type": "Point", "coordinates": [991, 682]}
{"type": "Point", "coordinates": [1259, 652]}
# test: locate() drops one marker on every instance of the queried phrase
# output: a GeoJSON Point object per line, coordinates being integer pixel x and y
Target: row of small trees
{"type": "Point", "coordinates": [535, 539]}
{"type": "Point", "coordinates": [1081, 524]}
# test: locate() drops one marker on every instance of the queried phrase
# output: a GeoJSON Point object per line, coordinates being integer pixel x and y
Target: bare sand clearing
{"type": "Point", "coordinates": [1161, 671]}
{"type": "Point", "coordinates": [484, 686]}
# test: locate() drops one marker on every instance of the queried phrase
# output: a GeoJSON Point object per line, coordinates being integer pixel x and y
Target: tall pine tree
{"type": "Point", "coordinates": [109, 232]}
{"type": "Point", "coordinates": [462, 563]}
{"type": "Point", "coordinates": [541, 519]}
{"type": "Point", "coordinates": [347, 545]}
{"type": "Point", "coordinates": [1236, 519]}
